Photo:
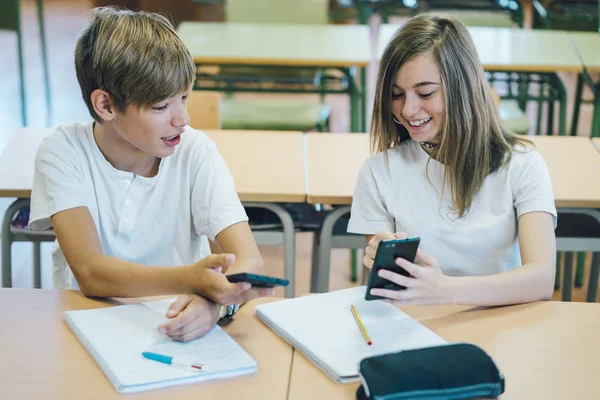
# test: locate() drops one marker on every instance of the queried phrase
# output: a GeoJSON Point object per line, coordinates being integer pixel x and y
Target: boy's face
{"type": "Point", "coordinates": [157, 130]}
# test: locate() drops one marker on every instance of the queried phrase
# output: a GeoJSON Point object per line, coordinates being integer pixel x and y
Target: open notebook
{"type": "Point", "coordinates": [117, 336]}
{"type": "Point", "coordinates": [323, 328]}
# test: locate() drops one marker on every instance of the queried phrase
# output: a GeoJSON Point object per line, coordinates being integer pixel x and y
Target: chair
{"type": "Point", "coordinates": [204, 109]}
{"type": "Point", "coordinates": [514, 118]}
{"type": "Point", "coordinates": [579, 231]}
{"type": "Point", "coordinates": [10, 19]}
{"type": "Point", "coordinates": [14, 229]}
{"type": "Point", "coordinates": [276, 11]}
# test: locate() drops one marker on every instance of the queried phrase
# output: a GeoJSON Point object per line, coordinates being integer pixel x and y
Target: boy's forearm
{"type": "Point", "coordinates": [522, 285]}
{"type": "Point", "coordinates": [111, 277]}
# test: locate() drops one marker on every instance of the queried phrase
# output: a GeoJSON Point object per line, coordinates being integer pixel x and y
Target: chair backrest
{"type": "Point", "coordinates": [204, 109]}
{"type": "Point", "coordinates": [307, 12]}
{"type": "Point", "coordinates": [10, 15]}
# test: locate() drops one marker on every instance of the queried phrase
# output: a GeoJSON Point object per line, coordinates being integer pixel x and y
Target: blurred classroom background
{"type": "Point", "coordinates": [540, 101]}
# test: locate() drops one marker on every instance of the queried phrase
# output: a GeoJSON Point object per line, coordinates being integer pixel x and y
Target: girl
{"type": "Point", "coordinates": [448, 171]}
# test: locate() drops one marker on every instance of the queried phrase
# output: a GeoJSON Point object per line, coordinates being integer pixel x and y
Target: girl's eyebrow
{"type": "Point", "coordinates": [426, 83]}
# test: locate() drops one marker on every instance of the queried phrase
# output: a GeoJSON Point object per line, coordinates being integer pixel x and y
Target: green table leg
{"type": "Point", "coordinates": [596, 115]}
{"type": "Point", "coordinates": [550, 119]}
{"type": "Point", "coordinates": [354, 101]}
{"type": "Point", "coordinates": [577, 105]}
{"type": "Point", "coordinates": [562, 118]}
{"type": "Point", "coordinates": [363, 100]}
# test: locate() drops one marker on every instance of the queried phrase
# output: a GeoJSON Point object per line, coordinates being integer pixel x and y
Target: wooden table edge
{"type": "Point", "coordinates": [281, 62]}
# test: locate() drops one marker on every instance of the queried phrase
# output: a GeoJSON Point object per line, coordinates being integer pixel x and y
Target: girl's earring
{"type": "Point", "coordinates": [396, 121]}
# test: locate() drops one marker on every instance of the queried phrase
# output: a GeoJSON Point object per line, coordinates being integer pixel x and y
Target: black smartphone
{"type": "Point", "coordinates": [257, 280]}
{"type": "Point", "coordinates": [385, 258]}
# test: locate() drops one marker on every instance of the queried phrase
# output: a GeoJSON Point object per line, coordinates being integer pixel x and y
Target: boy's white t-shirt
{"type": "Point", "coordinates": [159, 221]}
{"type": "Point", "coordinates": [406, 198]}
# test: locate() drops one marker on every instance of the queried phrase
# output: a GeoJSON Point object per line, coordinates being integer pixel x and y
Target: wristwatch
{"type": "Point", "coordinates": [227, 312]}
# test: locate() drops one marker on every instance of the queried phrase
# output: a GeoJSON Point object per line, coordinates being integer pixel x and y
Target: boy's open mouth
{"type": "Point", "coordinates": [172, 140]}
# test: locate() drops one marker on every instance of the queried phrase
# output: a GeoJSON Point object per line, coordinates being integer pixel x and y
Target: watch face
{"type": "Point", "coordinates": [222, 311]}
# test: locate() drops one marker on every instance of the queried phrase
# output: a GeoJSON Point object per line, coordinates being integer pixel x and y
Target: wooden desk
{"type": "Point", "coordinates": [341, 155]}
{"type": "Point", "coordinates": [288, 45]}
{"type": "Point", "coordinates": [588, 47]}
{"type": "Point", "coordinates": [266, 166]}
{"type": "Point", "coordinates": [44, 359]}
{"type": "Point", "coordinates": [546, 350]}
{"type": "Point", "coordinates": [508, 49]}
{"type": "Point", "coordinates": [250, 155]}
{"type": "Point", "coordinates": [574, 164]}
{"type": "Point", "coordinates": [328, 46]}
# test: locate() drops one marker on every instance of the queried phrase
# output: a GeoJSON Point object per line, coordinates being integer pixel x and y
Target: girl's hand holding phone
{"type": "Point", "coordinates": [426, 284]}
{"type": "Point", "coordinates": [371, 248]}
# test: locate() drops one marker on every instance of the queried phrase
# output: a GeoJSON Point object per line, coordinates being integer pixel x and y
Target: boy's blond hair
{"type": "Point", "coordinates": [135, 56]}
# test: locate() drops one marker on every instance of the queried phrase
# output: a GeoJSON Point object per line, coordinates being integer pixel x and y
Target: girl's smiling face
{"type": "Point", "coordinates": [417, 99]}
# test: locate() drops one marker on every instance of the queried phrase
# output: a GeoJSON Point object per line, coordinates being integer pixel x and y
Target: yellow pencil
{"type": "Point", "coordinates": [363, 330]}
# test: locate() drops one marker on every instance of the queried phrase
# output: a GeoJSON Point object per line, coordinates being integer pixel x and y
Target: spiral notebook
{"type": "Point", "coordinates": [323, 328]}
{"type": "Point", "coordinates": [117, 336]}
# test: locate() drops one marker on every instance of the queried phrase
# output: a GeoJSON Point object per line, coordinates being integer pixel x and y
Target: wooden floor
{"type": "Point", "coordinates": [64, 20]}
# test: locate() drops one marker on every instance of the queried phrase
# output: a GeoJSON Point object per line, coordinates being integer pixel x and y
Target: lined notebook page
{"type": "Point", "coordinates": [117, 336]}
{"type": "Point", "coordinates": [324, 329]}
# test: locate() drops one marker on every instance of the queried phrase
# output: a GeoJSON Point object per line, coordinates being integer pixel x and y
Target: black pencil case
{"type": "Point", "coordinates": [455, 371]}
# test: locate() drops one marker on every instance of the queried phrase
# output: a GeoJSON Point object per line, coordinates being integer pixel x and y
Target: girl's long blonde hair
{"type": "Point", "coordinates": [473, 141]}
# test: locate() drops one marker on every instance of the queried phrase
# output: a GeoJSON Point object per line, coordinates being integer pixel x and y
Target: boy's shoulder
{"type": "Point", "coordinates": [73, 136]}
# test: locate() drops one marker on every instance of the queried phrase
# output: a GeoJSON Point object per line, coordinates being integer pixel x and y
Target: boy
{"type": "Point", "coordinates": [137, 188]}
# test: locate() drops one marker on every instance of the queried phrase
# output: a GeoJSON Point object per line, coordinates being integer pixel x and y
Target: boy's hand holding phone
{"type": "Point", "coordinates": [208, 279]}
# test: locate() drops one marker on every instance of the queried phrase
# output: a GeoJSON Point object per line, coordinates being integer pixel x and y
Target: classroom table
{"type": "Point", "coordinates": [44, 359]}
{"type": "Point", "coordinates": [343, 47]}
{"type": "Point", "coordinates": [546, 350]}
{"type": "Point", "coordinates": [346, 154]}
{"type": "Point", "coordinates": [530, 52]}
{"type": "Point", "coordinates": [250, 155]}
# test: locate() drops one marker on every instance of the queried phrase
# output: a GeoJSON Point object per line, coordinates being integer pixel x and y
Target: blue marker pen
{"type": "Point", "coordinates": [172, 360]}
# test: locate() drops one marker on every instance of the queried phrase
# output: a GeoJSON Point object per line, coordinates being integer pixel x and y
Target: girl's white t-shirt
{"type": "Point", "coordinates": [159, 221]}
{"type": "Point", "coordinates": [405, 195]}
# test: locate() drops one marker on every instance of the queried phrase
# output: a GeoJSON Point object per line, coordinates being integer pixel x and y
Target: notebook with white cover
{"type": "Point", "coordinates": [117, 336]}
{"type": "Point", "coordinates": [323, 328]}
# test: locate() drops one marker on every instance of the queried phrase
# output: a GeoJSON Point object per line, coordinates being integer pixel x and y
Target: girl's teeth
{"type": "Point", "coordinates": [419, 123]}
